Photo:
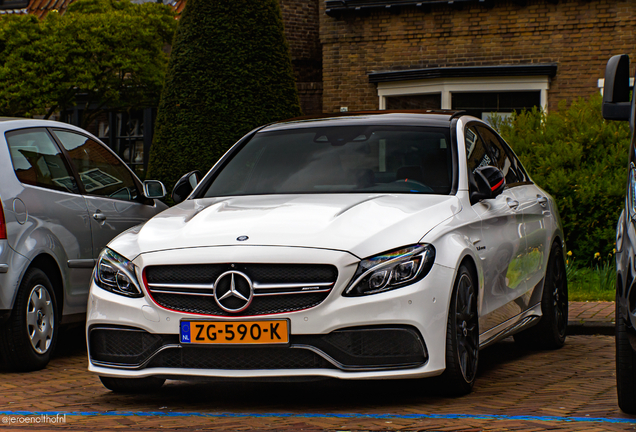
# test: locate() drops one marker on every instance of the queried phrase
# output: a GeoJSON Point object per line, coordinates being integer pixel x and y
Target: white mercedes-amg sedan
{"type": "Point", "coordinates": [373, 245]}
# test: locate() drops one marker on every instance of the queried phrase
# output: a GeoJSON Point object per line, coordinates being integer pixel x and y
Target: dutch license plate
{"type": "Point", "coordinates": [235, 332]}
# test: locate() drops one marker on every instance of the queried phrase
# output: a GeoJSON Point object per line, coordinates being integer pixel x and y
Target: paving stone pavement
{"type": "Point", "coordinates": [572, 388]}
{"type": "Point", "coordinates": [591, 318]}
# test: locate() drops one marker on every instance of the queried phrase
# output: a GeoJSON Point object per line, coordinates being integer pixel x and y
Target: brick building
{"type": "Point", "coordinates": [302, 32]}
{"type": "Point", "coordinates": [482, 56]}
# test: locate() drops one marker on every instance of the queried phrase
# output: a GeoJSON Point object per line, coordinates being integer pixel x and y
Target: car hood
{"type": "Point", "coordinates": [361, 224]}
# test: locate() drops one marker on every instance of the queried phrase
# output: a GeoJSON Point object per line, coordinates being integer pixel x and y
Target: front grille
{"type": "Point", "coordinates": [238, 358]}
{"type": "Point", "coordinates": [351, 349]}
{"type": "Point", "coordinates": [277, 287]}
{"type": "Point", "coordinates": [260, 306]}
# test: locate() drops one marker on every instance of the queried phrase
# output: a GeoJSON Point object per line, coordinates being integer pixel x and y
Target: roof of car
{"type": "Point", "coordinates": [35, 121]}
{"type": "Point", "coordinates": [435, 118]}
{"type": "Point", "coordinates": [14, 123]}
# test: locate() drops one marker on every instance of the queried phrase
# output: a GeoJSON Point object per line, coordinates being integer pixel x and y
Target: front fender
{"type": "Point", "coordinates": [451, 250]}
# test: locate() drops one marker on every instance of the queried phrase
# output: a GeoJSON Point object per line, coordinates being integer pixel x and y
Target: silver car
{"type": "Point", "coordinates": [63, 196]}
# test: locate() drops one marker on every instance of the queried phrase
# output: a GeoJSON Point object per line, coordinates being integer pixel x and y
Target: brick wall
{"type": "Point", "coordinates": [300, 18]}
{"type": "Point", "coordinates": [578, 35]}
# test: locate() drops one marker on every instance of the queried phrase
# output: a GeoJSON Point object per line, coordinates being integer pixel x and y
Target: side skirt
{"type": "Point", "coordinates": [515, 324]}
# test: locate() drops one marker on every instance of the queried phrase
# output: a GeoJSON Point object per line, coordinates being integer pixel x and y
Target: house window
{"type": "Point", "coordinates": [13, 4]}
{"type": "Point", "coordinates": [127, 133]}
{"type": "Point", "coordinates": [480, 90]}
{"type": "Point", "coordinates": [484, 104]}
{"type": "Point", "coordinates": [410, 102]}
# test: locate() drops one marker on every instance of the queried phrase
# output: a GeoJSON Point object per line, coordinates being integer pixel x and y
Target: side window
{"type": "Point", "coordinates": [502, 157]}
{"type": "Point", "coordinates": [516, 164]}
{"type": "Point", "coordinates": [100, 171]}
{"type": "Point", "coordinates": [38, 161]}
{"type": "Point", "coordinates": [476, 152]}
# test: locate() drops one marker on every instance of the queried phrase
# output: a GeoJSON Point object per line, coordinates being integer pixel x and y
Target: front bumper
{"type": "Point", "coordinates": [395, 334]}
{"type": "Point", "coordinates": [353, 350]}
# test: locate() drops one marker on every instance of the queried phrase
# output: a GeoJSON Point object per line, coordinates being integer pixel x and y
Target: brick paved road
{"type": "Point", "coordinates": [591, 312]}
{"type": "Point", "coordinates": [516, 390]}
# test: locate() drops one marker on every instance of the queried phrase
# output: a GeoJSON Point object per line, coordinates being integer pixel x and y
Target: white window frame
{"type": "Point", "coordinates": [448, 86]}
{"type": "Point", "coordinates": [601, 84]}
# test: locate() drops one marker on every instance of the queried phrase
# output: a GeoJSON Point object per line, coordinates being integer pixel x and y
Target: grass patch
{"type": "Point", "coordinates": [592, 283]}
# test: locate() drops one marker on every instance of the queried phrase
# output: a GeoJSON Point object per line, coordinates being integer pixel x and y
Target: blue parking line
{"type": "Point", "coordinates": [357, 416]}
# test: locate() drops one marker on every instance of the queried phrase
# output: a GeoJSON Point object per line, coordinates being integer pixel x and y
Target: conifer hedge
{"type": "Point", "coordinates": [581, 160]}
{"type": "Point", "coordinates": [229, 72]}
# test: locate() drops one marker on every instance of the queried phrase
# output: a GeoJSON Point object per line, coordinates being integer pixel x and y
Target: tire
{"type": "Point", "coordinates": [549, 333]}
{"type": "Point", "coordinates": [462, 337]}
{"type": "Point", "coordinates": [625, 366]}
{"type": "Point", "coordinates": [28, 338]}
{"type": "Point", "coordinates": [132, 385]}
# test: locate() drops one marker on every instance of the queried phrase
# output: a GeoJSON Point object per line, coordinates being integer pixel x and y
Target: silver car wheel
{"type": "Point", "coordinates": [40, 319]}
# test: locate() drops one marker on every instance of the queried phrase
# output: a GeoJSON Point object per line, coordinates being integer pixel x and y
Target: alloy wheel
{"type": "Point", "coordinates": [40, 319]}
{"type": "Point", "coordinates": [466, 327]}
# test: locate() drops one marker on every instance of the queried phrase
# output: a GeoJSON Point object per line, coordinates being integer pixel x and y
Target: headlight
{"type": "Point", "coordinates": [116, 274]}
{"type": "Point", "coordinates": [391, 270]}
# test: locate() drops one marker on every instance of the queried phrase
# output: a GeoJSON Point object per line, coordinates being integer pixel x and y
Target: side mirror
{"type": "Point", "coordinates": [489, 182]}
{"type": "Point", "coordinates": [616, 104]}
{"type": "Point", "coordinates": [185, 186]}
{"type": "Point", "coordinates": [154, 189]}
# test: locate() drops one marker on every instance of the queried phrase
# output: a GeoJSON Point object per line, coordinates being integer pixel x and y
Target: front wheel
{"type": "Point", "coordinates": [462, 336]}
{"type": "Point", "coordinates": [549, 333]}
{"type": "Point", "coordinates": [28, 338]}
{"type": "Point", "coordinates": [132, 385]}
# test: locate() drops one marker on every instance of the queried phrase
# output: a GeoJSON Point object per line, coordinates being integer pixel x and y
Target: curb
{"type": "Point", "coordinates": [590, 328]}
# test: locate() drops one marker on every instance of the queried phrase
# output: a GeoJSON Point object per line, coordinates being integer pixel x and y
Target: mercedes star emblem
{"type": "Point", "coordinates": [233, 291]}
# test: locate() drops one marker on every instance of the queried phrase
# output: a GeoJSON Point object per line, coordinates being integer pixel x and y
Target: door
{"type": "Point", "coordinates": [500, 243]}
{"type": "Point", "coordinates": [112, 195]}
{"type": "Point", "coordinates": [53, 212]}
{"type": "Point", "coordinates": [532, 203]}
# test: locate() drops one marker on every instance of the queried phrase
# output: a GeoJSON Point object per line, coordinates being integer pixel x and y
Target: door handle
{"type": "Point", "coordinates": [542, 200]}
{"type": "Point", "coordinates": [99, 216]}
{"type": "Point", "coordinates": [513, 204]}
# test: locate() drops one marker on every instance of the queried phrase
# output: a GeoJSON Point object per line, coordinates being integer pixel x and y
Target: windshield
{"type": "Point", "coordinates": [345, 159]}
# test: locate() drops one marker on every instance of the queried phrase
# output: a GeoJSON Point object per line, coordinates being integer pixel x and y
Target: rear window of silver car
{"type": "Point", "coordinates": [340, 160]}
{"type": "Point", "coordinates": [37, 161]}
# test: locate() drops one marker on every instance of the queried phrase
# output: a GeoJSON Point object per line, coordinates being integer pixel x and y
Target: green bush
{"type": "Point", "coordinates": [105, 54]}
{"type": "Point", "coordinates": [229, 72]}
{"type": "Point", "coordinates": [581, 160]}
